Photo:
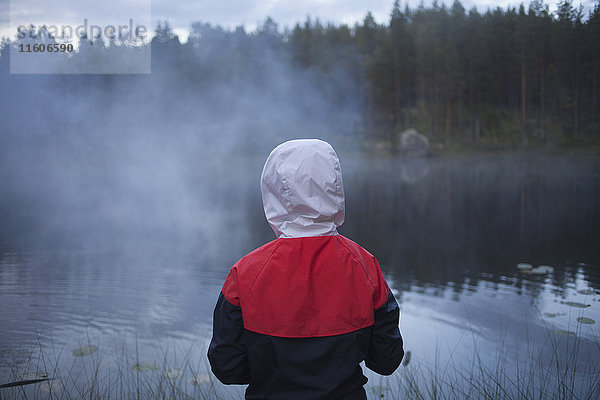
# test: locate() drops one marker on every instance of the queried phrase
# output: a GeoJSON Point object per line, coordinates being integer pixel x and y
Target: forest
{"type": "Point", "coordinates": [500, 79]}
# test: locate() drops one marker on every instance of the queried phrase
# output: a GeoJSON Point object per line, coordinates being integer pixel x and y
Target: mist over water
{"type": "Point", "coordinates": [447, 240]}
{"type": "Point", "coordinates": [124, 201]}
{"type": "Point", "coordinates": [155, 157]}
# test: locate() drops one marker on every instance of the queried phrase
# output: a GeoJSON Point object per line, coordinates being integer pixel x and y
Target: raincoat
{"type": "Point", "coordinates": [297, 316]}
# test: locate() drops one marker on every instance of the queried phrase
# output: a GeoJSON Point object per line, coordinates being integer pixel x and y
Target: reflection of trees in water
{"type": "Point", "coordinates": [429, 221]}
{"type": "Point", "coordinates": [468, 219]}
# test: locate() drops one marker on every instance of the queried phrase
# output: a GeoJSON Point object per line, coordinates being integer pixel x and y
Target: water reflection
{"type": "Point", "coordinates": [473, 216]}
{"type": "Point", "coordinates": [448, 232]}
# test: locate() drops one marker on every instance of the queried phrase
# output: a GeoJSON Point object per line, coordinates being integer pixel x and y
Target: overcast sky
{"type": "Point", "coordinates": [227, 13]}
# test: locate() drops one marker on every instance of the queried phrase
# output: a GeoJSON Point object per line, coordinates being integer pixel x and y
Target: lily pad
{"type": "Point", "coordinates": [587, 321]}
{"type": "Point", "coordinates": [534, 272]}
{"type": "Point", "coordinates": [51, 386]}
{"type": "Point", "coordinates": [541, 270]}
{"type": "Point", "coordinates": [575, 304]}
{"type": "Point", "coordinates": [144, 367]}
{"type": "Point", "coordinates": [34, 375]}
{"type": "Point", "coordinates": [586, 291]}
{"type": "Point", "coordinates": [545, 269]}
{"type": "Point", "coordinates": [85, 351]}
{"type": "Point", "coordinates": [554, 315]}
{"type": "Point", "coordinates": [524, 266]}
{"type": "Point", "coordinates": [199, 379]}
{"type": "Point", "coordinates": [562, 332]}
{"type": "Point", "coordinates": [173, 373]}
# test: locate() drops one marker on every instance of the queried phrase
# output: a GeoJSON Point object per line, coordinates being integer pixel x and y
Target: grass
{"type": "Point", "coordinates": [171, 374]}
{"type": "Point", "coordinates": [480, 381]}
{"type": "Point", "coordinates": [535, 374]}
{"type": "Point", "coordinates": [553, 368]}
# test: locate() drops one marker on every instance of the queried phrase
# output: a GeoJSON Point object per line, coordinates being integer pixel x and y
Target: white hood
{"type": "Point", "coordinates": [302, 189]}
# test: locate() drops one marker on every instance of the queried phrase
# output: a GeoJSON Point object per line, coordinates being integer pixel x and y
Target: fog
{"type": "Point", "coordinates": [163, 159]}
{"type": "Point", "coordinates": [170, 162]}
{"type": "Point", "coordinates": [125, 199]}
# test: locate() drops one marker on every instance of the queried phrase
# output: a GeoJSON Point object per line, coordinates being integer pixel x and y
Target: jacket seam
{"type": "Point", "coordinates": [229, 301]}
{"type": "Point", "coordinates": [259, 272]}
{"type": "Point", "coordinates": [364, 268]}
{"type": "Point", "coordinates": [312, 335]}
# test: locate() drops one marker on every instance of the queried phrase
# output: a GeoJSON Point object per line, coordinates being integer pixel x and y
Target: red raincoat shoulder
{"type": "Point", "coordinates": [307, 287]}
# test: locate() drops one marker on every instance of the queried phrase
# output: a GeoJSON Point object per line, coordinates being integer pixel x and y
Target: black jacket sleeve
{"type": "Point", "coordinates": [385, 349]}
{"type": "Point", "coordinates": [227, 350]}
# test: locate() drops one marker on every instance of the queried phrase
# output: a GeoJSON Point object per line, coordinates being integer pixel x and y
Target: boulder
{"type": "Point", "coordinates": [413, 143]}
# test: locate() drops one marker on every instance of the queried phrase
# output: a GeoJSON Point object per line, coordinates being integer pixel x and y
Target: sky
{"type": "Point", "coordinates": [227, 13]}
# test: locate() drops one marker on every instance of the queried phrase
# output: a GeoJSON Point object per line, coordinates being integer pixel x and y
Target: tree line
{"type": "Point", "coordinates": [506, 77]}
{"type": "Point", "coordinates": [510, 75]}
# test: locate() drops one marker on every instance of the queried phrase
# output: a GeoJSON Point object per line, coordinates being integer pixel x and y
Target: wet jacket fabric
{"type": "Point", "coordinates": [297, 316]}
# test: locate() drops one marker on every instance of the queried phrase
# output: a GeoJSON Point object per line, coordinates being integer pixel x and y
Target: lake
{"type": "Point", "coordinates": [105, 279]}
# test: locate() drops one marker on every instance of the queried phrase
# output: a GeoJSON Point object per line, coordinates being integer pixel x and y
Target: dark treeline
{"type": "Point", "coordinates": [503, 78]}
{"type": "Point", "coordinates": [511, 75]}
{"type": "Point", "coordinates": [506, 77]}
{"type": "Point", "coordinates": [519, 76]}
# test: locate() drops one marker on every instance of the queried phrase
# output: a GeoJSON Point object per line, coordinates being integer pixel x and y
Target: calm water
{"type": "Point", "coordinates": [139, 273]}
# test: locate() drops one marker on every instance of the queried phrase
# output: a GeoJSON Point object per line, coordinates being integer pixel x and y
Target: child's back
{"type": "Point", "coordinates": [297, 316]}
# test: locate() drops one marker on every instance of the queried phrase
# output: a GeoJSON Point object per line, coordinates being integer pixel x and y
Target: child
{"type": "Point", "coordinates": [296, 316]}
